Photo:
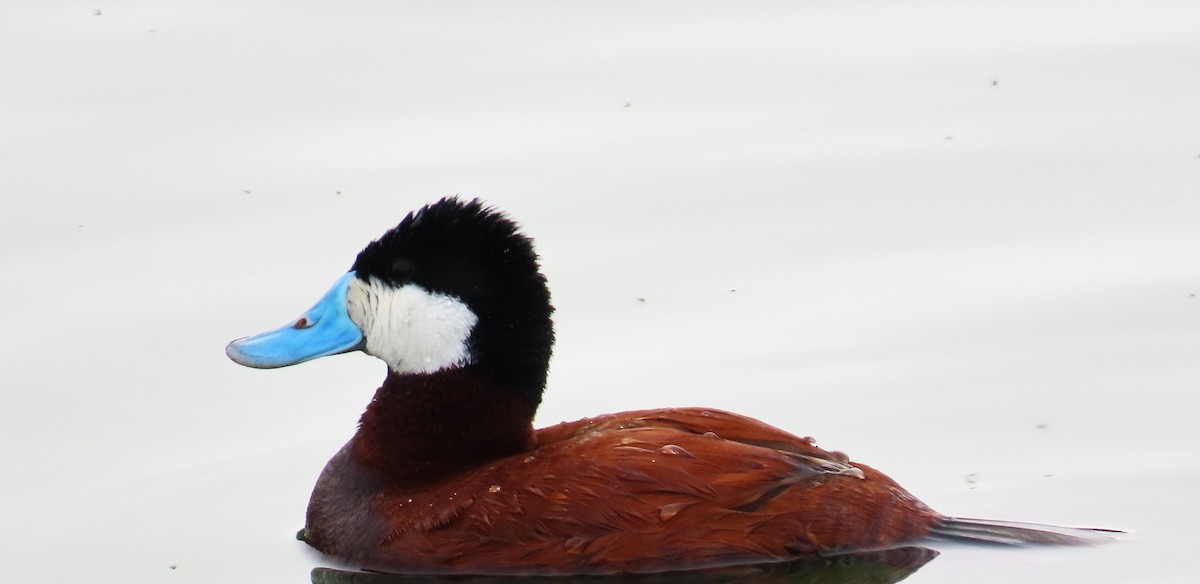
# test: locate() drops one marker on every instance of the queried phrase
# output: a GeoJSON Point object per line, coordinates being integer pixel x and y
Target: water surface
{"type": "Point", "coordinates": [959, 243]}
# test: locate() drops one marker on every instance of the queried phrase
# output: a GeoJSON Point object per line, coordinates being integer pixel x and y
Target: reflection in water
{"type": "Point", "coordinates": [878, 567]}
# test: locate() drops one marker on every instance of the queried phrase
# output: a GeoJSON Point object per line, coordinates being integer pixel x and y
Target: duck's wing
{"type": "Point", "coordinates": [664, 489]}
{"type": "Point", "coordinates": [726, 425]}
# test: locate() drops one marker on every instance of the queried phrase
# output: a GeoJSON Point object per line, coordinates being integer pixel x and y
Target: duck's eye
{"type": "Point", "coordinates": [402, 270]}
{"type": "Point", "coordinates": [303, 323]}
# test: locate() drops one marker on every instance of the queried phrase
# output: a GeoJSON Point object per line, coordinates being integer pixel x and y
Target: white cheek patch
{"type": "Point", "coordinates": [410, 328]}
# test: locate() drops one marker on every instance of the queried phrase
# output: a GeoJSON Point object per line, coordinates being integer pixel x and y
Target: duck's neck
{"type": "Point", "coordinates": [420, 425]}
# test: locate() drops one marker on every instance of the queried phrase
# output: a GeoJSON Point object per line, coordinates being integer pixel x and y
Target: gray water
{"type": "Point", "coordinates": [958, 241]}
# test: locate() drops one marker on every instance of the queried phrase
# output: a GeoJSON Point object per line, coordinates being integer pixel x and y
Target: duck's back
{"type": "Point", "coordinates": [640, 492]}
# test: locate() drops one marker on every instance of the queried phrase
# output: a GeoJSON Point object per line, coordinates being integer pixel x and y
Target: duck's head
{"type": "Point", "coordinates": [454, 285]}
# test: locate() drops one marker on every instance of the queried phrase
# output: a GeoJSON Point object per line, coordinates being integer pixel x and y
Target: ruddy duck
{"type": "Point", "coordinates": [446, 473]}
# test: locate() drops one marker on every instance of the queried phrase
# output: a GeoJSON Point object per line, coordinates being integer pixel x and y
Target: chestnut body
{"type": "Point", "coordinates": [641, 491]}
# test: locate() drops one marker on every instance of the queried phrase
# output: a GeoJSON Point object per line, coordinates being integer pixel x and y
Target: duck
{"type": "Point", "coordinates": [446, 473]}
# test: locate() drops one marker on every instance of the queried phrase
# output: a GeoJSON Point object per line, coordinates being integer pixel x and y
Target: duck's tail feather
{"type": "Point", "coordinates": [1012, 533]}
